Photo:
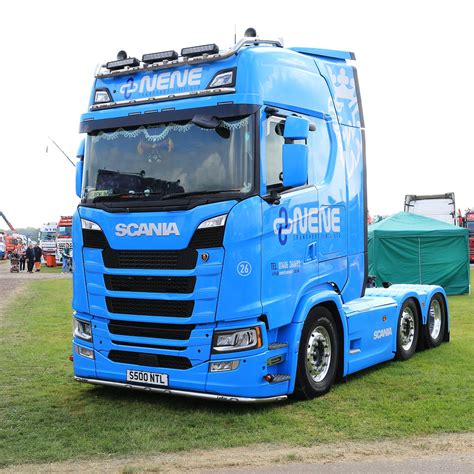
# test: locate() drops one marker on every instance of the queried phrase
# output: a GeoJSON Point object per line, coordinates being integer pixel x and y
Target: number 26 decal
{"type": "Point", "coordinates": [244, 268]}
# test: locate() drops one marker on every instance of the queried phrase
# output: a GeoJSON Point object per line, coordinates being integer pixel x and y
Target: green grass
{"type": "Point", "coordinates": [46, 416]}
{"type": "Point", "coordinates": [45, 269]}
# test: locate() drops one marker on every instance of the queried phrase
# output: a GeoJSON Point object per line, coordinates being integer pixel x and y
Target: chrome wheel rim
{"type": "Point", "coordinates": [407, 329]}
{"type": "Point", "coordinates": [434, 319]}
{"type": "Point", "coordinates": [318, 353]}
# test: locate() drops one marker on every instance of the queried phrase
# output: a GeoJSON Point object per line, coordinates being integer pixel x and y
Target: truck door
{"type": "Point", "coordinates": [290, 232]}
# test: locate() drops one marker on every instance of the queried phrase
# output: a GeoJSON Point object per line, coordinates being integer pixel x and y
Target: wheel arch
{"type": "Point", "coordinates": [308, 304]}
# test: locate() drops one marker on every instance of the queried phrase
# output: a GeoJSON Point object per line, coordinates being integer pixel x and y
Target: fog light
{"type": "Point", "coordinates": [223, 366]}
{"type": "Point", "coordinates": [84, 352]}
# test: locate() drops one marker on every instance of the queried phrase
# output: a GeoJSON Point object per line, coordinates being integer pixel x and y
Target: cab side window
{"type": "Point", "coordinates": [273, 149]}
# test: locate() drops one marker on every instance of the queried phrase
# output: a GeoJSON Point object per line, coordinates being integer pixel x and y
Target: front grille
{"type": "Point", "coordinates": [150, 259]}
{"type": "Point", "coordinates": [152, 284]}
{"type": "Point", "coordinates": [94, 239]}
{"type": "Point", "coordinates": [207, 238]}
{"type": "Point", "coordinates": [150, 360]}
{"type": "Point", "coordinates": [151, 346]}
{"type": "Point", "coordinates": [181, 332]}
{"type": "Point", "coordinates": [145, 307]}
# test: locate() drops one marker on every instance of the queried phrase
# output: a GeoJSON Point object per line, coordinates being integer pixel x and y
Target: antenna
{"type": "Point", "coordinates": [235, 33]}
{"type": "Point", "coordinates": [62, 151]}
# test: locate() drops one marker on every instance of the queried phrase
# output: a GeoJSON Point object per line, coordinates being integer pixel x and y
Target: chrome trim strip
{"type": "Point", "coordinates": [168, 391]}
{"type": "Point", "coordinates": [184, 61]}
{"type": "Point", "coordinates": [162, 98]}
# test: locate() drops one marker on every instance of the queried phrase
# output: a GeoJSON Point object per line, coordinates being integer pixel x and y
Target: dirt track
{"type": "Point", "coordinates": [11, 284]}
{"type": "Point", "coordinates": [444, 453]}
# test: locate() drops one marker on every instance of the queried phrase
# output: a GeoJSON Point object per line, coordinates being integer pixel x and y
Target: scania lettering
{"type": "Point", "coordinates": [135, 230]}
{"type": "Point", "coordinates": [221, 236]}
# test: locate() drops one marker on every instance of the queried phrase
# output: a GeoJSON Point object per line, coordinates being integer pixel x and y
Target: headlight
{"type": "Point", "coordinates": [217, 221]}
{"type": "Point", "coordinates": [237, 340]}
{"type": "Point", "coordinates": [82, 329]}
{"type": "Point", "coordinates": [89, 225]}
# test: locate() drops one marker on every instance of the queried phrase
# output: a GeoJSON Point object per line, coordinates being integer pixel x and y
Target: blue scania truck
{"type": "Point", "coordinates": [220, 244]}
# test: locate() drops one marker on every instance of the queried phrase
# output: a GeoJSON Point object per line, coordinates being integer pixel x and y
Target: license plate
{"type": "Point", "coordinates": [147, 377]}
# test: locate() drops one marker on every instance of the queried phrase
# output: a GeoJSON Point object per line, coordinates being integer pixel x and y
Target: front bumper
{"type": "Point", "coordinates": [169, 391]}
{"type": "Point", "coordinates": [246, 382]}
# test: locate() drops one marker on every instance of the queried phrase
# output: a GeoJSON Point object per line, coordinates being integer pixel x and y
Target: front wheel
{"type": "Point", "coordinates": [434, 329]}
{"type": "Point", "coordinates": [408, 329]}
{"type": "Point", "coordinates": [318, 355]}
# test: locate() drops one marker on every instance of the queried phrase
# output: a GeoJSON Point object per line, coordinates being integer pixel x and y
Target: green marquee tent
{"type": "Point", "coordinates": [408, 248]}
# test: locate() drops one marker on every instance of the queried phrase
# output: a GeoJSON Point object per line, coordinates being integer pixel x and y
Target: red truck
{"type": "Point", "coordinates": [63, 236]}
{"type": "Point", "coordinates": [469, 224]}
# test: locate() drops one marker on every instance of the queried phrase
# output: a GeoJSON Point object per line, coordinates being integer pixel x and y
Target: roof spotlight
{"type": "Point", "coordinates": [250, 33]}
{"type": "Point", "coordinates": [161, 56]}
{"type": "Point", "coordinates": [194, 51]}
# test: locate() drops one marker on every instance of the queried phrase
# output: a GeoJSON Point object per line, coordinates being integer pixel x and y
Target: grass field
{"type": "Point", "coordinates": [46, 416]}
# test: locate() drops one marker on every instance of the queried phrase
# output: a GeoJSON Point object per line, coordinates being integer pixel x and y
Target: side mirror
{"type": "Point", "coordinates": [295, 164]}
{"type": "Point", "coordinates": [296, 128]}
{"type": "Point", "coordinates": [79, 169]}
{"type": "Point", "coordinates": [295, 155]}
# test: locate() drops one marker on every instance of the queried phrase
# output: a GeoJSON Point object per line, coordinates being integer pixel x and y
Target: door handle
{"type": "Point", "coordinates": [310, 252]}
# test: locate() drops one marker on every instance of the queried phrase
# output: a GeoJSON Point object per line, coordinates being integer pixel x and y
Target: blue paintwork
{"type": "Point", "coordinates": [278, 261]}
{"type": "Point", "coordinates": [326, 53]}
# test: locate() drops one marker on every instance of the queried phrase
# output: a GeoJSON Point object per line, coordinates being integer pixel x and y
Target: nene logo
{"type": "Point", "coordinates": [162, 82]}
{"type": "Point", "coordinates": [136, 230]}
{"type": "Point", "coordinates": [307, 222]}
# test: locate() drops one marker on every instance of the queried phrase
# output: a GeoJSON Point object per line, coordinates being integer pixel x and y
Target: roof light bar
{"type": "Point", "coordinates": [193, 51]}
{"type": "Point", "coordinates": [122, 63]}
{"type": "Point", "coordinates": [161, 56]}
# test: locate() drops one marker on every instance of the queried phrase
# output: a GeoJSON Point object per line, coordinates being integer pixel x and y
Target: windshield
{"type": "Point", "coordinates": [64, 231]}
{"type": "Point", "coordinates": [47, 236]}
{"type": "Point", "coordinates": [470, 227]}
{"type": "Point", "coordinates": [171, 158]}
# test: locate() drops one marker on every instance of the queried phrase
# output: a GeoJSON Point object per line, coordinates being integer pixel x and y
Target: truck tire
{"type": "Point", "coordinates": [407, 330]}
{"type": "Point", "coordinates": [317, 355]}
{"type": "Point", "coordinates": [436, 322]}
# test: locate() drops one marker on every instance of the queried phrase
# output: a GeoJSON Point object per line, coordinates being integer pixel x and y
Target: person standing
{"type": "Point", "coordinates": [38, 254]}
{"type": "Point", "coordinates": [66, 256]}
{"type": "Point", "coordinates": [22, 259]}
{"type": "Point", "coordinates": [30, 258]}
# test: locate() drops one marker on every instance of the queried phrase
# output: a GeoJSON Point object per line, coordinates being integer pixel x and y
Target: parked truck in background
{"type": "Point", "coordinates": [63, 236]}
{"type": "Point", "coordinates": [221, 238]}
{"type": "Point", "coordinates": [2, 245]}
{"type": "Point", "coordinates": [469, 224]}
{"type": "Point", "coordinates": [47, 238]}
{"type": "Point", "coordinates": [436, 206]}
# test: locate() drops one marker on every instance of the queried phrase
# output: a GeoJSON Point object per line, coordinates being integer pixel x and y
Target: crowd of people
{"type": "Point", "coordinates": [29, 258]}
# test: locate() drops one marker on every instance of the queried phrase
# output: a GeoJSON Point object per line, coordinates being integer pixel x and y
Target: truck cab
{"type": "Point", "coordinates": [63, 236]}
{"type": "Point", "coordinates": [222, 227]}
{"type": "Point", "coordinates": [2, 245]}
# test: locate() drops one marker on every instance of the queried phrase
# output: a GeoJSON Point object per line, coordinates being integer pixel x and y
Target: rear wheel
{"type": "Point", "coordinates": [408, 329]}
{"type": "Point", "coordinates": [435, 325]}
{"type": "Point", "coordinates": [318, 355]}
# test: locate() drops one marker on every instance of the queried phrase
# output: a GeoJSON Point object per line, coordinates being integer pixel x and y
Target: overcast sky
{"type": "Point", "coordinates": [414, 60]}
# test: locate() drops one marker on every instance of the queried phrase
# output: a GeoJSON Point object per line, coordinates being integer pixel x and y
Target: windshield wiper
{"type": "Point", "coordinates": [125, 196]}
{"type": "Point", "coordinates": [198, 193]}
